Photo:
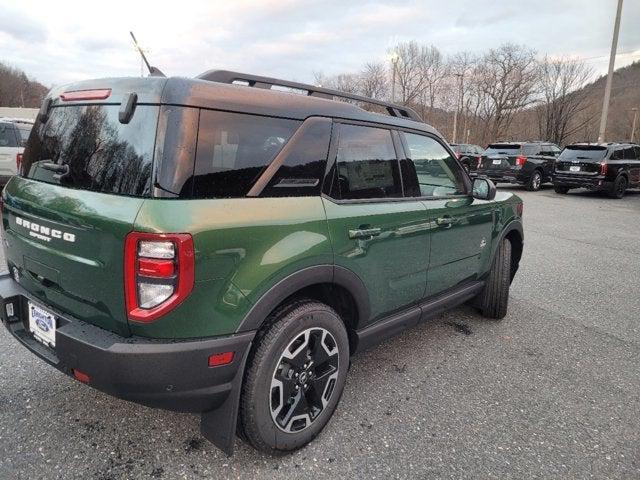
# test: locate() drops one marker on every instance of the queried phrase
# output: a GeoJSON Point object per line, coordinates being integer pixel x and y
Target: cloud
{"type": "Point", "coordinates": [19, 26]}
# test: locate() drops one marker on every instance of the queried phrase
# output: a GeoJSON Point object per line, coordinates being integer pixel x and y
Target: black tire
{"type": "Point", "coordinates": [561, 190]}
{"type": "Point", "coordinates": [535, 181]}
{"type": "Point", "coordinates": [619, 187]}
{"type": "Point", "coordinates": [267, 364]}
{"type": "Point", "coordinates": [494, 298]}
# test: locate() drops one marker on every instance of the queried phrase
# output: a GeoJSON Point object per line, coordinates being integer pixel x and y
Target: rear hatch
{"type": "Point", "coordinates": [84, 178]}
{"type": "Point", "coordinates": [500, 158]}
{"type": "Point", "coordinates": [581, 160]}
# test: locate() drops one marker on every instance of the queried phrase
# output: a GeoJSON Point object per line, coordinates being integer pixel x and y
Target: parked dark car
{"type": "Point", "coordinates": [526, 163]}
{"type": "Point", "coordinates": [611, 168]}
{"type": "Point", "coordinates": [468, 154]}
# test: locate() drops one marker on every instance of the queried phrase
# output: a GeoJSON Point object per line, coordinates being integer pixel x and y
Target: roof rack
{"type": "Point", "coordinates": [226, 76]}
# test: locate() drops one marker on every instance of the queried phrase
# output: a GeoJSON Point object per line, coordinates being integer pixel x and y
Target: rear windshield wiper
{"type": "Point", "coordinates": [59, 169]}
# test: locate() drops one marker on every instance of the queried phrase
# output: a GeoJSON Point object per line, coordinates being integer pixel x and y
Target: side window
{"type": "Point", "coordinates": [436, 173]}
{"type": "Point", "coordinates": [629, 153]}
{"type": "Point", "coordinates": [302, 169]}
{"type": "Point", "coordinates": [367, 164]}
{"type": "Point", "coordinates": [617, 155]}
{"type": "Point", "coordinates": [636, 153]}
{"type": "Point", "coordinates": [532, 149]}
{"type": "Point", "coordinates": [234, 149]}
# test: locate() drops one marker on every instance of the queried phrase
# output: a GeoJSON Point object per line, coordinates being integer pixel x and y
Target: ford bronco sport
{"type": "Point", "coordinates": [215, 245]}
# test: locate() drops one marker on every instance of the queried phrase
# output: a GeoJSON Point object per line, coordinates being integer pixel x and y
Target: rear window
{"type": "Point", "coordinates": [86, 147]}
{"type": "Point", "coordinates": [503, 148]}
{"type": "Point", "coordinates": [583, 153]}
{"type": "Point", "coordinates": [24, 131]}
{"type": "Point", "coordinates": [7, 135]}
{"type": "Point", "coordinates": [234, 149]}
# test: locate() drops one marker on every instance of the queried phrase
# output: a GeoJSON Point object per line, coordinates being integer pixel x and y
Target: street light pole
{"type": "Point", "coordinates": [455, 115]}
{"type": "Point", "coordinates": [633, 124]}
{"type": "Point", "coordinates": [394, 65]}
{"type": "Point", "coordinates": [612, 61]}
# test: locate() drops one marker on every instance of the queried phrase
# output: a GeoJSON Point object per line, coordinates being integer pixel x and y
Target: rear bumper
{"type": "Point", "coordinates": [503, 176]}
{"type": "Point", "coordinates": [167, 374]}
{"type": "Point", "coordinates": [595, 182]}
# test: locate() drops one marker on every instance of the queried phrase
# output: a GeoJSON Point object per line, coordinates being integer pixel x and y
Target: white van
{"type": "Point", "coordinates": [14, 133]}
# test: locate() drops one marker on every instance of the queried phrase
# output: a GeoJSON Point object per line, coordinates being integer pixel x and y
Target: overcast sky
{"type": "Point", "coordinates": [60, 41]}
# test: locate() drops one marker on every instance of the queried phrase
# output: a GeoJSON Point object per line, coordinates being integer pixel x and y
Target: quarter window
{"type": "Point", "coordinates": [367, 163]}
{"type": "Point", "coordinates": [234, 149]}
{"type": "Point", "coordinates": [430, 171]}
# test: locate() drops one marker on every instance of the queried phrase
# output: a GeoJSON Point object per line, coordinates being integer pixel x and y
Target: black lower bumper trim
{"type": "Point", "coordinates": [173, 375]}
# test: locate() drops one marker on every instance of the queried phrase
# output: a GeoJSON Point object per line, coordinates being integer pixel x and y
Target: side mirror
{"type": "Point", "coordinates": [483, 189]}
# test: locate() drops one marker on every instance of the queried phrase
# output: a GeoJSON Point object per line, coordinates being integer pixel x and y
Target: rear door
{"type": "Point", "coordinates": [460, 225]}
{"type": "Point", "coordinates": [376, 233]}
{"type": "Point", "coordinates": [9, 148]}
{"type": "Point", "coordinates": [84, 178]}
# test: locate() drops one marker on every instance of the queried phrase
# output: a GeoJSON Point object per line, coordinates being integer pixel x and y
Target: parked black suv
{"type": "Point", "coordinates": [611, 168]}
{"type": "Point", "coordinates": [468, 154]}
{"type": "Point", "coordinates": [526, 163]}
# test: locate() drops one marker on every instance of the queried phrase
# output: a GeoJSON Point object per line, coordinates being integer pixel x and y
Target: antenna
{"type": "Point", "coordinates": [153, 71]}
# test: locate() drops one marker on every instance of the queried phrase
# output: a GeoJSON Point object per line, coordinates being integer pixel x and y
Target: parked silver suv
{"type": "Point", "coordinates": [14, 133]}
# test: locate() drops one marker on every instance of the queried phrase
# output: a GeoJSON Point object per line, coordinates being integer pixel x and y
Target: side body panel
{"type": "Point", "coordinates": [243, 248]}
{"type": "Point", "coordinates": [392, 263]}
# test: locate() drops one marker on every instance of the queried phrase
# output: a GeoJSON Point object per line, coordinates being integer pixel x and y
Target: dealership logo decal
{"type": "Point", "coordinates": [45, 233]}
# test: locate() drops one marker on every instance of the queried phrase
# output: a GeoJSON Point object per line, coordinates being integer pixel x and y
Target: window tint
{"type": "Point", "coordinates": [233, 150]}
{"type": "Point", "coordinates": [636, 153]}
{"type": "Point", "coordinates": [7, 135]}
{"type": "Point", "coordinates": [617, 155]}
{"type": "Point", "coordinates": [629, 154]}
{"type": "Point", "coordinates": [532, 149]}
{"type": "Point", "coordinates": [367, 164]}
{"type": "Point", "coordinates": [431, 167]}
{"type": "Point", "coordinates": [302, 170]}
{"type": "Point", "coordinates": [98, 152]}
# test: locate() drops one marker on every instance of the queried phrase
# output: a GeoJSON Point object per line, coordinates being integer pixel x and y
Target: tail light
{"type": "Point", "coordinates": [603, 168]}
{"type": "Point", "coordinates": [158, 273]}
{"type": "Point", "coordinates": [458, 155]}
{"type": "Point", "coordinates": [521, 160]}
{"type": "Point", "coordinates": [479, 161]}
{"type": "Point", "coordinates": [18, 162]}
{"type": "Point", "coordinates": [520, 209]}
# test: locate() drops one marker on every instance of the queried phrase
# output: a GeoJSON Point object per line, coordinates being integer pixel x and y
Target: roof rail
{"type": "Point", "coordinates": [226, 76]}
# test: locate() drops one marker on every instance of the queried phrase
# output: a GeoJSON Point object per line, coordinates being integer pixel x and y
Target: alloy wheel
{"type": "Point", "coordinates": [304, 379]}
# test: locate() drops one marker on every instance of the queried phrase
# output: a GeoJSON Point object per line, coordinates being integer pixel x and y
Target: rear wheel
{"type": "Point", "coordinates": [535, 182]}
{"type": "Point", "coordinates": [494, 298]}
{"type": "Point", "coordinates": [561, 190]}
{"type": "Point", "coordinates": [294, 377]}
{"type": "Point", "coordinates": [619, 187]}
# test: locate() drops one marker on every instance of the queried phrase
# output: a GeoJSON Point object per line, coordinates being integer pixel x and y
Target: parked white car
{"type": "Point", "coordinates": [14, 133]}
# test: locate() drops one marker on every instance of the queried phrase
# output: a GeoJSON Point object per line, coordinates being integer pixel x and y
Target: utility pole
{"type": "Point", "coordinates": [394, 66]}
{"type": "Point", "coordinates": [612, 61]}
{"type": "Point", "coordinates": [633, 124]}
{"type": "Point", "coordinates": [458, 104]}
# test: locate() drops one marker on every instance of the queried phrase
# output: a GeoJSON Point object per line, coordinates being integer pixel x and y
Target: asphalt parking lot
{"type": "Point", "coordinates": [552, 391]}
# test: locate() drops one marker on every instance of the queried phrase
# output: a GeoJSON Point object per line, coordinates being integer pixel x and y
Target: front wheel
{"type": "Point", "coordinates": [294, 378]}
{"type": "Point", "coordinates": [494, 298]}
{"type": "Point", "coordinates": [535, 182]}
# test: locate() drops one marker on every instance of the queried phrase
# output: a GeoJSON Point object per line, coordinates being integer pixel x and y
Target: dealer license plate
{"type": "Point", "coordinates": [43, 325]}
{"type": "Point", "coordinates": [574, 168]}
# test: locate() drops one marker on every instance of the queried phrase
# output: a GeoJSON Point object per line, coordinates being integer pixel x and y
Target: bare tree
{"type": "Point", "coordinates": [374, 81]}
{"type": "Point", "coordinates": [508, 79]}
{"type": "Point", "coordinates": [434, 70]}
{"type": "Point", "coordinates": [410, 79]}
{"type": "Point", "coordinates": [563, 98]}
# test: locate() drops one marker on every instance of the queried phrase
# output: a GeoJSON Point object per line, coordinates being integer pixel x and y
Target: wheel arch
{"type": "Point", "coordinates": [336, 286]}
{"type": "Point", "coordinates": [513, 232]}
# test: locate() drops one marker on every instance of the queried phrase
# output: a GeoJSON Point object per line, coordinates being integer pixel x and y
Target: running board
{"type": "Point", "coordinates": [398, 322]}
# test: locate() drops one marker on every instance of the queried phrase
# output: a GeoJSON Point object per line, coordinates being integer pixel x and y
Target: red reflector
{"type": "Point", "coordinates": [18, 162]}
{"type": "Point", "coordinates": [81, 377]}
{"type": "Point", "coordinates": [152, 267]}
{"type": "Point", "coordinates": [100, 94]}
{"type": "Point", "coordinates": [519, 209]}
{"type": "Point", "coordinates": [219, 359]}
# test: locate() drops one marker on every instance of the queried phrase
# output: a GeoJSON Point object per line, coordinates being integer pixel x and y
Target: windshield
{"type": "Point", "coordinates": [503, 149]}
{"type": "Point", "coordinates": [583, 153]}
{"type": "Point", "coordinates": [86, 147]}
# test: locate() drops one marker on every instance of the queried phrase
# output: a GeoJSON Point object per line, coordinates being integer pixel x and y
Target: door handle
{"type": "Point", "coordinates": [445, 221]}
{"type": "Point", "coordinates": [364, 232]}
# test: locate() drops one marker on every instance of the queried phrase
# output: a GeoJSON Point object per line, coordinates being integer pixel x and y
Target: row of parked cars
{"type": "Point", "coordinates": [611, 168]}
{"type": "Point", "coordinates": [14, 133]}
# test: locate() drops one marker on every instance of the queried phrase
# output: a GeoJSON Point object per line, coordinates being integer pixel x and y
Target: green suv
{"type": "Point", "coordinates": [224, 244]}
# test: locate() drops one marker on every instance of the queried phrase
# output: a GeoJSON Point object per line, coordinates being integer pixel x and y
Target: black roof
{"type": "Point", "coordinates": [231, 97]}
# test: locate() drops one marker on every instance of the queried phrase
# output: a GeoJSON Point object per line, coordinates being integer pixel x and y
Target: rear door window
{"type": "Point", "coordinates": [86, 147]}
{"type": "Point", "coordinates": [430, 165]}
{"type": "Point", "coordinates": [234, 149]}
{"type": "Point", "coordinates": [7, 135]}
{"type": "Point", "coordinates": [367, 164]}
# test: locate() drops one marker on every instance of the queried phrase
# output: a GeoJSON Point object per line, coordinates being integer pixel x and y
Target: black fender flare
{"type": "Point", "coordinates": [513, 225]}
{"type": "Point", "coordinates": [328, 274]}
